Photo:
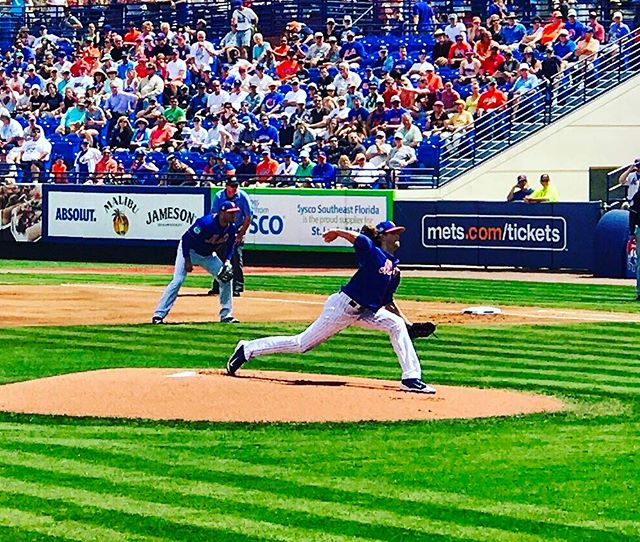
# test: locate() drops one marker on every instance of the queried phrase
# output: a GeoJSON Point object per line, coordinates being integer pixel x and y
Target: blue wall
{"type": "Point", "coordinates": [542, 235]}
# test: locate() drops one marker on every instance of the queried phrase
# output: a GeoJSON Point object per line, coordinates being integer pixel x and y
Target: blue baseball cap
{"type": "Point", "coordinates": [389, 227]}
{"type": "Point", "coordinates": [229, 207]}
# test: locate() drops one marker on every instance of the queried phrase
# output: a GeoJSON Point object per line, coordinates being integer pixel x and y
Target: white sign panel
{"type": "Point", "coordinates": [299, 219]}
{"type": "Point", "coordinates": [132, 216]}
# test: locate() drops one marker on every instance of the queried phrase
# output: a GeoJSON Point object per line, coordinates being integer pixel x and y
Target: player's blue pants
{"type": "Point", "coordinates": [212, 264]}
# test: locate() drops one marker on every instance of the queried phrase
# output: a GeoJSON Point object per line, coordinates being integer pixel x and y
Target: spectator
{"type": "Point", "coordinates": [492, 98]}
{"type": "Point", "coordinates": [587, 46]}
{"type": "Point", "coordinates": [471, 103]}
{"type": "Point", "coordinates": [86, 160]}
{"type": "Point", "coordinates": [344, 78]}
{"type": "Point", "coordinates": [266, 168]}
{"type": "Point", "coordinates": [160, 136]}
{"type": "Point", "coordinates": [508, 70]}
{"type": "Point", "coordinates": [423, 16]}
{"type": "Point", "coordinates": [106, 168]}
{"type": "Point", "coordinates": [448, 96]}
{"type": "Point", "coordinates": [630, 178]}
{"type": "Point", "coordinates": [617, 30]}
{"type": "Point", "coordinates": [217, 137]}
{"type": "Point", "coordinates": [95, 121]}
{"type": "Point", "coordinates": [33, 156]}
{"type": "Point", "coordinates": [546, 194]}
{"type": "Point", "coordinates": [551, 30]}
{"type": "Point", "coordinates": [598, 29]}
{"type": "Point", "coordinates": [438, 118]}
{"type": "Point", "coordinates": [470, 69]}
{"type": "Point", "coordinates": [74, 118]}
{"type": "Point", "coordinates": [520, 190]}
{"type": "Point", "coordinates": [323, 173]}
{"type": "Point", "coordinates": [564, 48]}
{"type": "Point", "coordinates": [305, 167]}
{"type": "Point", "coordinates": [491, 63]}
{"type": "Point", "coordinates": [59, 171]}
{"type": "Point", "coordinates": [513, 33]}
{"type": "Point", "coordinates": [378, 153]}
{"type": "Point", "coordinates": [142, 170]}
{"type": "Point", "coordinates": [441, 48]}
{"type": "Point", "coordinates": [10, 131]}
{"type": "Point", "coordinates": [140, 136]}
{"type": "Point", "coordinates": [246, 170]}
{"type": "Point", "coordinates": [151, 85]}
{"type": "Point", "coordinates": [411, 134]}
{"type": "Point", "coordinates": [179, 173]}
{"type": "Point", "coordinates": [401, 156]}
{"type": "Point", "coordinates": [458, 51]}
{"type": "Point", "coordinates": [174, 113]}
{"type": "Point", "coordinates": [455, 28]}
{"type": "Point", "coordinates": [460, 120]}
{"type": "Point", "coordinates": [533, 36]}
{"type": "Point", "coordinates": [266, 134]}
{"type": "Point", "coordinates": [575, 28]}
{"type": "Point", "coordinates": [287, 170]}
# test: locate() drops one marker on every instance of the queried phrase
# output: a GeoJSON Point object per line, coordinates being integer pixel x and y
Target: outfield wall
{"type": "Point", "coordinates": [141, 224]}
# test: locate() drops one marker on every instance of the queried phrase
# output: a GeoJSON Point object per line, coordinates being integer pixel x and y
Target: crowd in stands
{"type": "Point", "coordinates": [315, 107]}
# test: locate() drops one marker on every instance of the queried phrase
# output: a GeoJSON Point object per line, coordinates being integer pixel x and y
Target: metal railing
{"type": "Point", "coordinates": [374, 179]}
{"type": "Point", "coordinates": [522, 116]}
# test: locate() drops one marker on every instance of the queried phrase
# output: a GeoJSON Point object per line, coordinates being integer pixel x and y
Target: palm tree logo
{"type": "Point", "coordinates": [120, 222]}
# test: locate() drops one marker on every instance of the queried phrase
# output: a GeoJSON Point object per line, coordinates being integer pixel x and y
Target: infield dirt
{"type": "Point", "coordinates": [255, 396]}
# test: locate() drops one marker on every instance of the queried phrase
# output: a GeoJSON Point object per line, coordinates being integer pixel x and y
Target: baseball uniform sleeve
{"type": "Point", "coordinates": [231, 242]}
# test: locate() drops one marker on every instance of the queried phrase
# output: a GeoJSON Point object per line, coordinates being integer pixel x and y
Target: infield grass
{"type": "Point", "coordinates": [472, 291]}
{"type": "Point", "coordinates": [568, 476]}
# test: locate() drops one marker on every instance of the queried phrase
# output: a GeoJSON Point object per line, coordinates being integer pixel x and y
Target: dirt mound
{"type": "Point", "coordinates": [255, 396]}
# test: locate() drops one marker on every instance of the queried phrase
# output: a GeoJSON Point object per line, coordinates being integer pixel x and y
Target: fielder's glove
{"type": "Point", "coordinates": [421, 330]}
{"type": "Point", "coordinates": [226, 273]}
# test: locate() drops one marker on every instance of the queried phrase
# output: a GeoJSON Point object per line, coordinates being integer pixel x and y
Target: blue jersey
{"type": "Point", "coordinates": [207, 235]}
{"type": "Point", "coordinates": [377, 278]}
{"type": "Point", "coordinates": [241, 199]}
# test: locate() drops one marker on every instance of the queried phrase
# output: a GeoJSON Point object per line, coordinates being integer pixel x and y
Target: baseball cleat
{"type": "Point", "coordinates": [230, 320]}
{"type": "Point", "coordinates": [237, 359]}
{"type": "Point", "coordinates": [157, 320]}
{"type": "Point", "coordinates": [416, 385]}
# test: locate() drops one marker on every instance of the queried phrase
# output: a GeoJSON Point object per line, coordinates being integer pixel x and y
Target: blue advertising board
{"type": "Point", "coordinates": [543, 235]}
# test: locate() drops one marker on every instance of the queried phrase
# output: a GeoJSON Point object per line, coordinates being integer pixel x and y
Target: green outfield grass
{"type": "Point", "coordinates": [569, 476]}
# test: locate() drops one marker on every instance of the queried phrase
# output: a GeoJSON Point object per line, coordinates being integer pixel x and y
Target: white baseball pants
{"type": "Point", "coordinates": [336, 316]}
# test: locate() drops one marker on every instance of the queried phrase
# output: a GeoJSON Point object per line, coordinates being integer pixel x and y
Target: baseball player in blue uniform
{"type": "Point", "coordinates": [365, 301]}
{"type": "Point", "coordinates": [208, 234]}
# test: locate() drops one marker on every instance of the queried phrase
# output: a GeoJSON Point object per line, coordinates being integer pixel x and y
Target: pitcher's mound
{"type": "Point", "coordinates": [254, 396]}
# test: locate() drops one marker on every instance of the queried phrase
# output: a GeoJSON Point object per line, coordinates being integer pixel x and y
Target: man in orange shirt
{"type": "Point", "coordinates": [552, 29]}
{"type": "Point", "coordinates": [106, 167]}
{"type": "Point", "coordinates": [132, 34]}
{"type": "Point", "coordinates": [161, 134]}
{"type": "Point", "coordinates": [288, 68]}
{"type": "Point", "coordinates": [491, 98]}
{"type": "Point", "coordinates": [266, 168]}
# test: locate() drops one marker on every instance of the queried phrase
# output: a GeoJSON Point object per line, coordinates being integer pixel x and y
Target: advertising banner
{"type": "Point", "coordinates": [287, 219]}
{"type": "Point", "coordinates": [121, 214]}
{"type": "Point", "coordinates": [555, 235]}
{"type": "Point", "coordinates": [21, 212]}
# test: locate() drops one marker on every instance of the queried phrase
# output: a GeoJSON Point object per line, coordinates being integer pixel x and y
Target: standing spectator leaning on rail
{"type": "Point", "coordinates": [242, 220]}
{"type": "Point", "coordinates": [630, 178]}
{"type": "Point", "coordinates": [520, 190]}
{"type": "Point", "coordinates": [545, 194]}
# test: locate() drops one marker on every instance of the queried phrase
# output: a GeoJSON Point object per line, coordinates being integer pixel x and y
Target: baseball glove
{"type": "Point", "coordinates": [226, 273]}
{"type": "Point", "coordinates": [421, 330]}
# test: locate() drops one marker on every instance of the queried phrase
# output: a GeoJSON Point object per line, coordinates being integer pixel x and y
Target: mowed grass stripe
{"type": "Point", "coordinates": [487, 360]}
{"type": "Point", "coordinates": [65, 529]}
{"type": "Point", "coordinates": [193, 462]}
{"type": "Point", "coordinates": [367, 515]}
{"type": "Point", "coordinates": [543, 294]}
{"type": "Point", "coordinates": [179, 515]}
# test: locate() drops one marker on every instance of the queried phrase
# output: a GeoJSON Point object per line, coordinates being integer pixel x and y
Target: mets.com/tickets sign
{"type": "Point", "coordinates": [556, 235]}
{"type": "Point", "coordinates": [296, 219]}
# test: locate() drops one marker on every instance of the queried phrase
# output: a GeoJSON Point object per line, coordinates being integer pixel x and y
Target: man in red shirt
{"type": "Point", "coordinates": [288, 68]}
{"type": "Point", "coordinates": [132, 34]}
{"type": "Point", "coordinates": [490, 65]}
{"type": "Point", "coordinates": [598, 29]}
{"type": "Point", "coordinates": [160, 135]}
{"type": "Point", "coordinates": [491, 98]}
{"type": "Point", "coordinates": [266, 168]}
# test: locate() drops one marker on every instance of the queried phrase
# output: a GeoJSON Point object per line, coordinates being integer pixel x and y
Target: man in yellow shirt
{"type": "Point", "coordinates": [546, 194]}
{"type": "Point", "coordinates": [461, 118]}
